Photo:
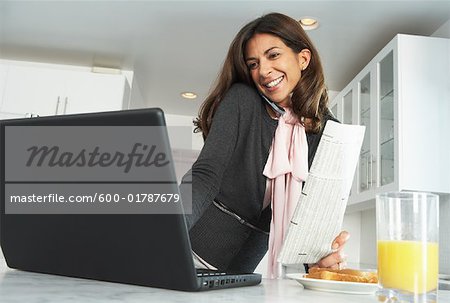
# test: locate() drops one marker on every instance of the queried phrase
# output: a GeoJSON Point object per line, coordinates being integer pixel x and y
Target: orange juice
{"type": "Point", "coordinates": [408, 265]}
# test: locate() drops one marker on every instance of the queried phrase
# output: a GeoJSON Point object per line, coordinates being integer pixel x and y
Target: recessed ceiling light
{"type": "Point", "coordinates": [309, 23]}
{"type": "Point", "coordinates": [189, 95]}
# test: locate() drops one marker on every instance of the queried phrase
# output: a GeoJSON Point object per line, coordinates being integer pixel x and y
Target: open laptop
{"type": "Point", "coordinates": [142, 249]}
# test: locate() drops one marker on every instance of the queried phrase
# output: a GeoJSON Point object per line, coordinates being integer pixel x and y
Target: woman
{"type": "Point", "coordinates": [261, 123]}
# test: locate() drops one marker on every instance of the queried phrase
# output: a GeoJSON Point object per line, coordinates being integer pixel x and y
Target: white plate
{"type": "Point", "coordinates": [334, 286]}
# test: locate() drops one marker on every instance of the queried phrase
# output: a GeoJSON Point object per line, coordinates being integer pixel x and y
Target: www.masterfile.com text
{"type": "Point", "coordinates": [97, 198]}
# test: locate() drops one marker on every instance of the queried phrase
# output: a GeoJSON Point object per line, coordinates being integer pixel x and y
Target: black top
{"type": "Point", "coordinates": [229, 169]}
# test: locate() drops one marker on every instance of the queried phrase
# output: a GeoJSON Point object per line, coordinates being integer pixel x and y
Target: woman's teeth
{"type": "Point", "coordinates": [274, 82]}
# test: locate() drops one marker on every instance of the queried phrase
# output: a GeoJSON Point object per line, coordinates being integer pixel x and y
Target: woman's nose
{"type": "Point", "coordinates": [265, 68]}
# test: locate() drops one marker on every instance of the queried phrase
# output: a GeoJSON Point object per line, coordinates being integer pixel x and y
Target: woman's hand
{"type": "Point", "coordinates": [335, 260]}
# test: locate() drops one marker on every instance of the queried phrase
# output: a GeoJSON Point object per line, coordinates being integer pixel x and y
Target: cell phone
{"type": "Point", "coordinates": [278, 109]}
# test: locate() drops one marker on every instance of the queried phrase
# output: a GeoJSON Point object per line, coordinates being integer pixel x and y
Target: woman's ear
{"type": "Point", "coordinates": [304, 56]}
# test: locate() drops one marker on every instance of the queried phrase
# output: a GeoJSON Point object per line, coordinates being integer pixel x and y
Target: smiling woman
{"type": "Point", "coordinates": [262, 123]}
{"type": "Point", "coordinates": [283, 37]}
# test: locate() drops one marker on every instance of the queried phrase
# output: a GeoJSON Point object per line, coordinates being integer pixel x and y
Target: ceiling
{"type": "Point", "coordinates": [176, 46]}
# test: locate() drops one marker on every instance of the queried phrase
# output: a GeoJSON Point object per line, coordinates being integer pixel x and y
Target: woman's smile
{"type": "Point", "coordinates": [274, 84]}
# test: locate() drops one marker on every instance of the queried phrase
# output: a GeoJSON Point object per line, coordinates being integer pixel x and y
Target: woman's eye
{"type": "Point", "coordinates": [252, 65]}
{"type": "Point", "coordinates": [274, 55]}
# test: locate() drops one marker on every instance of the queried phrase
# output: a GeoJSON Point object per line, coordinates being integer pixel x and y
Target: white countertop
{"type": "Point", "coordinates": [20, 286]}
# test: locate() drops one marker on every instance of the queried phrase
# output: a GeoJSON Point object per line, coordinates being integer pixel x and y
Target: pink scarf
{"type": "Point", "coordinates": [286, 169]}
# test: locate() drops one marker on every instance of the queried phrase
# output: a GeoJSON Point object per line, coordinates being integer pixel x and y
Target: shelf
{"type": "Point", "coordinates": [386, 170]}
{"type": "Point", "coordinates": [390, 140]}
{"type": "Point", "coordinates": [389, 94]}
{"type": "Point", "coordinates": [386, 159]}
{"type": "Point", "coordinates": [387, 107]}
{"type": "Point", "coordinates": [364, 112]}
{"type": "Point", "coordinates": [387, 150]}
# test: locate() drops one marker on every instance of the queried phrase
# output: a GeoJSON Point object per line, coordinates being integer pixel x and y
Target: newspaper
{"type": "Point", "coordinates": [317, 219]}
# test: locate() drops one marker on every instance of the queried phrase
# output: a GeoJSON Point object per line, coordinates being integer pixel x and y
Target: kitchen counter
{"type": "Point", "coordinates": [20, 286]}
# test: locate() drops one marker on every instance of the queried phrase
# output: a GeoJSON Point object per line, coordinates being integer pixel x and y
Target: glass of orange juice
{"type": "Point", "coordinates": [407, 246]}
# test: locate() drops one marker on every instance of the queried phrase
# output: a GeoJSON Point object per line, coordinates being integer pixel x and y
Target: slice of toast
{"type": "Point", "coordinates": [348, 275]}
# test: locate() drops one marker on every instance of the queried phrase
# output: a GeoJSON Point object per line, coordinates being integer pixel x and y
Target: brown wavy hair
{"type": "Point", "coordinates": [310, 96]}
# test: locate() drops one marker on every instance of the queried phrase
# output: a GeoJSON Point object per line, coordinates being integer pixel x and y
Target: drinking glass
{"type": "Point", "coordinates": [407, 246]}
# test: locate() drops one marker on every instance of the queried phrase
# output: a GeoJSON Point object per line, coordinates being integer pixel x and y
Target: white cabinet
{"type": "Point", "coordinates": [403, 98]}
{"type": "Point", "coordinates": [33, 90]}
{"type": "Point", "coordinates": [93, 92]}
{"type": "Point", "coordinates": [51, 91]}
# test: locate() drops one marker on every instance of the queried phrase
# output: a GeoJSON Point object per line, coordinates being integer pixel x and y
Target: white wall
{"type": "Point", "coordinates": [368, 252]}
{"type": "Point", "coordinates": [136, 100]}
{"type": "Point", "coordinates": [352, 223]}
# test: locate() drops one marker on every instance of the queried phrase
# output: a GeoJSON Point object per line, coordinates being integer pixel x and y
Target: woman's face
{"type": "Point", "coordinates": [274, 67]}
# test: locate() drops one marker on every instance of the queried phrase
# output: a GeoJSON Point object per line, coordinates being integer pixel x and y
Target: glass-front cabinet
{"type": "Point", "coordinates": [376, 113]}
{"type": "Point", "coordinates": [348, 108]}
{"type": "Point", "coordinates": [392, 97]}
{"type": "Point", "coordinates": [365, 157]}
{"type": "Point", "coordinates": [386, 119]}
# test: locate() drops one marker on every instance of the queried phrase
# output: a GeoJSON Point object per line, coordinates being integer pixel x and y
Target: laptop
{"type": "Point", "coordinates": [145, 249]}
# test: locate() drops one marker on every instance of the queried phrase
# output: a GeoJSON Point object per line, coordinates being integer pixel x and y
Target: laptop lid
{"type": "Point", "coordinates": [137, 248]}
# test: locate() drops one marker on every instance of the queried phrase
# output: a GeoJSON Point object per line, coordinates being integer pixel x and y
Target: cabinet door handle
{"type": "Point", "coordinates": [381, 169]}
{"type": "Point", "coordinates": [367, 172]}
{"type": "Point", "coordinates": [57, 105]}
{"type": "Point", "coordinates": [373, 161]}
{"type": "Point", "coordinates": [65, 105]}
{"type": "Point", "coordinates": [371, 170]}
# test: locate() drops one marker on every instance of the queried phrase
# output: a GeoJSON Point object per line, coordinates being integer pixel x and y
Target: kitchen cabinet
{"type": "Point", "coordinates": [93, 92]}
{"type": "Point", "coordinates": [33, 90]}
{"type": "Point", "coordinates": [403, 98]}
{"type": "Point", "coordinates": [54, 91]}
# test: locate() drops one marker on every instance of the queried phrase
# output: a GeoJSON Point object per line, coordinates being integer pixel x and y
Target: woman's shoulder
{"type": "Point", "coordinates": [243, 98]}
{"type": "Point", "coordinates": [243, 88]}
{"type": "Point", "coordinates": [240, 100]}
{"type": "Point", "coordinates": [241, 92]}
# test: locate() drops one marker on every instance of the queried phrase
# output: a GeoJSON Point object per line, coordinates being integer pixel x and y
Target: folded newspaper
{"type": "Point", "coordinates": [317, 219]}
